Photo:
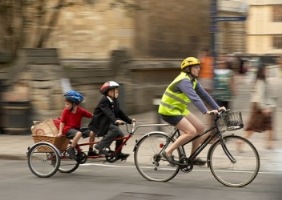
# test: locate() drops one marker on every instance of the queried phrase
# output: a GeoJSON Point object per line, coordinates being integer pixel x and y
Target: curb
{"type": "Point", "coordinates": [12, 157]}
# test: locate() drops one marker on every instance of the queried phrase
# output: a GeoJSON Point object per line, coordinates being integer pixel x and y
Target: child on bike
{"type": "Point", "coordinates": [107, 117]}
{"type": "Point", "coordinates": [173, 107]}
{"type": "Point", "coordinates": [71, 122]}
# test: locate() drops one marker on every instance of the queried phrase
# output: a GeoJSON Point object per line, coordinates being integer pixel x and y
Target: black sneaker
{"type": "Point", "coordinates": [170, 159]}
{"type": "Point", "coordinates": [92, 153]}
{"type": "Point", "coordinates": [103, 152]}
{"type": "Point", "coordinates": [199, 162]}
{"type": "Point", "coordinates": [122, 156]}
{"type": "Point", "coordinates": [71, 153]}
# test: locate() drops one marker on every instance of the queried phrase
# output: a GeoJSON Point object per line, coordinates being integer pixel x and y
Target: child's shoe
{"type": "Point", "coordinates": [122, 156]}
{"type": "Point", "coordinates": [71, 153]}
{"type": "Point", "coordinates": [92, 153]}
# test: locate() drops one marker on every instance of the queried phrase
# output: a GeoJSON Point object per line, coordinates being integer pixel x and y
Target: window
{"type": "Point", "coordinates": [277, 13]}
{"type": "Point", "coordinates": [277, 42]}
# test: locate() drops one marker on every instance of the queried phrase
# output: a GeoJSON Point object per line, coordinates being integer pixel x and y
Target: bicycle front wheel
{"type": "Point", "coordinates": [148, 160]}
{"type": "Point", "coordinates": [43, 159]}
{"type": "Point", "coordinates": [236, 167]}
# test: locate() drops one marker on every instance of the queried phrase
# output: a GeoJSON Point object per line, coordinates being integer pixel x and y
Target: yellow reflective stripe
{"type": "Point", "coordinates": [175, 98]}
{"type": "Point", "coordinates": [166, 105]}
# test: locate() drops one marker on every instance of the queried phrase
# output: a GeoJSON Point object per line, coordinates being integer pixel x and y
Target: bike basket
{"type": "Point", "coordinates": [230, 121]}
{"type": "Point", "coordinates": [60, 142]}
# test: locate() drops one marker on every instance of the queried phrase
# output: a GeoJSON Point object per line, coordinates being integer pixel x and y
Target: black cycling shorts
{"type": "Point", "coordinates": [172, 120]}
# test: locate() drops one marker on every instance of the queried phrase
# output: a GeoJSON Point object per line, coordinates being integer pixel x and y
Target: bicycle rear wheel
{"type": "Point", "coordinates": [246, 163]}
{"type": "Point", "coordinates": [43, 159]}
{"type": "Point", "coordinates": [148, 160]}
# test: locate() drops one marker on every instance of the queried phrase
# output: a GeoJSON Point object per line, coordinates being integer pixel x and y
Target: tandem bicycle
{"type": "Point", "coordinates": [49, 154]}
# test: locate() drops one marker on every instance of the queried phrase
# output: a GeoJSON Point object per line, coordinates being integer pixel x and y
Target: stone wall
{"type": "Point", "coordinates": [92, 31]}
{"type": "Point", "coordinates": [160, 29]}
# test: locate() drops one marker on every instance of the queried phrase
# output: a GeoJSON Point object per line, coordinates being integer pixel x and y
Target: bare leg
{"type": "Point", "coordinates": [190, 126]}
{"type": "Point", "coordinates": [187, 133]}
{"type": "Point", "coordinates": [91, 139]}
{"type": "Point", "coordinates": [269, 140]}
{"type": "Point", "coordinates": [199, 126]}
{"type": "Point", "coordinates": [248, 134]}
{"type": "Point", "coordinates": [76, 138]}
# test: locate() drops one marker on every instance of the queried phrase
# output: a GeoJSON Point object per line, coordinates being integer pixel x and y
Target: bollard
{"type": "Point", "coordinates": [156, 103]}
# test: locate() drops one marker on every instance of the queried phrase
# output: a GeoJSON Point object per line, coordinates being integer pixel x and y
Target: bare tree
{"type": "Point", "coordinates": [29, 23]}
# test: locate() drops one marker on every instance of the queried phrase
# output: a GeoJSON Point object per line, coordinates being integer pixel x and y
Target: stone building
{"type": "Point", "coordinates": [160, 29]}
{"type": "Point", "coordinates": [264, 29]}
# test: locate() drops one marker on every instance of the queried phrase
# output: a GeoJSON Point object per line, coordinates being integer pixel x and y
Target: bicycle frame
{"type": "Point", "coordinates": [113, 153]}
{"type": "Point", "coordinates": [204, 144]}
{"type": "Point", "coordinates": [125, 139]}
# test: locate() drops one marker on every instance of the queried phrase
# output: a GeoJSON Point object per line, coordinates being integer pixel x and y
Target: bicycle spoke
{"type": "Point", "coordinates": [148, 160]}
{"type": "Point", "coordinates": [43, 160]}
{"type": "Point", "coordinates": [245, 168]}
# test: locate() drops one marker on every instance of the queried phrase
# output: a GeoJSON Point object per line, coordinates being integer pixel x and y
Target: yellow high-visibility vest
{"type": "Point", "coordinates": [175, 103]}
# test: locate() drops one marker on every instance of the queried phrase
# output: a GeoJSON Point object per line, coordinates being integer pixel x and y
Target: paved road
{"type": "Point", "coordinates": [122, 182]}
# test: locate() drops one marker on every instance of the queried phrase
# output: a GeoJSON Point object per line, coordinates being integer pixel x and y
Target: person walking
{"type": "Point", "coordinates": [206, 73]}
{"type": "Point", "coordinates": [262, 105]}
{"type": "Point", "coordinates": [224, 84]}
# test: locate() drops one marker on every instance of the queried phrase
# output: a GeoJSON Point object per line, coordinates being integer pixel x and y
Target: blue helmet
{"type": "Point", "coordinates": [74, 97]}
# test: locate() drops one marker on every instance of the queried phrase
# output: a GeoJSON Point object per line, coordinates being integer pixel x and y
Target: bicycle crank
{"type": "Point", "coordinates": [186, 165]}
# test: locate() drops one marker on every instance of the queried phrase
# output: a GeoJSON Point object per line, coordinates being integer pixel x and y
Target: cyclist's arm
{"type": "Point", "coordinates": [186, 87]}
{"type": "Point", "coordinates": [206, 97]}
{"type": "Point", "coordinates": [122, 115]}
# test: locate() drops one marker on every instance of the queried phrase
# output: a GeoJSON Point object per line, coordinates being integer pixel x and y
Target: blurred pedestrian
{"type": "Point", "coordinates": [206, 73]}
{"type": "Point", "coordinates": [224, 83]}
{"type": "Point", "coordinates": [206, 76]}
{"type": "Point", "coordinates": [262, 105]}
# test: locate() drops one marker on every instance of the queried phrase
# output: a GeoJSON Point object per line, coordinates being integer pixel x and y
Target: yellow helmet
{"type": "Point", "coordinates": [190, 61]}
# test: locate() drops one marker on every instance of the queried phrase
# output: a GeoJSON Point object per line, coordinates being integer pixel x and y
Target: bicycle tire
{"type": "Point", "coordinates": [148, 161]}
{"type": "Point", "coordinates": [240, 173]}
{"type": "Point", "coordinates": [43, 159]}
{"type": "Point", "coordinates": [67, 165]}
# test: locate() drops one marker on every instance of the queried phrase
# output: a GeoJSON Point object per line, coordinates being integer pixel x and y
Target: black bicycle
{"type": "Point", "coordinates": [230, 165]}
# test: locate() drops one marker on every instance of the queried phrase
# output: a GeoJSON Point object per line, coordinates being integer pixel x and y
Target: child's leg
{"type": "Point", "coordinates": [76, 139]}
{"type": "Point", "coordinates": [75, 135]}
{"type": "Point", "coordinates": [108, 138]}
{"type": "Point", "coordinates": [91, 139]}
{"type": "Point", "coordinates": [119, 142]}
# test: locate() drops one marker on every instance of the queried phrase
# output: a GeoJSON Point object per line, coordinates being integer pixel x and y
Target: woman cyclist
{"type": "Point", "coordinates": [174, 108]}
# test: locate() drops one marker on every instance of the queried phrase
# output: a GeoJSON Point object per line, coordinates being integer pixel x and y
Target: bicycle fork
{"type": "Point", "coordinates": [226, 151]}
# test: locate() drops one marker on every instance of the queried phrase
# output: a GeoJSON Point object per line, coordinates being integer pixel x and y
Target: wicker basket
{"type": "Point", "coordinates": [230, 121]}
{"type": "Point", "coordinates": [60, 142]}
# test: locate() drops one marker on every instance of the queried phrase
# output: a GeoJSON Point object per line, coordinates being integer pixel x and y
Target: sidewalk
{"type": "Point", "coordinates": [15, 146]}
